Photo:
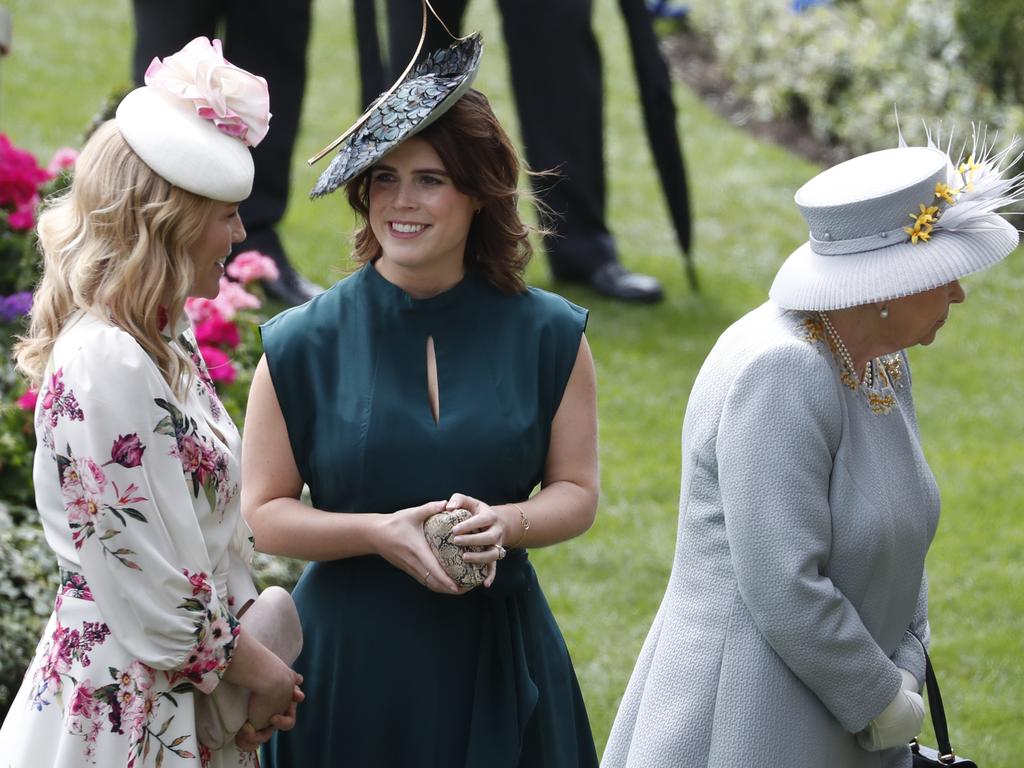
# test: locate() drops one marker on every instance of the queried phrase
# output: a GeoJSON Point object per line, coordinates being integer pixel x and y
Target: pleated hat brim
{"type": "Point", "coordinates": [810, 281]}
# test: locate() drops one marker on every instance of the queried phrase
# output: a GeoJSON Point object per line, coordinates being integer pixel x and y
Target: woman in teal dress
{"type": "Point", "coordinates": [432, 378]}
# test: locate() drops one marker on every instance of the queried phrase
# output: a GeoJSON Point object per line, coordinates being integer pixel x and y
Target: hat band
{"type": "Point", "coordinates": [828, 247]}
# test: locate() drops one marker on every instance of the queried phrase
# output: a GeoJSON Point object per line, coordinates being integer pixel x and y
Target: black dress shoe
{"type": "Point", "coordinates": [614, 280]}
{"type": "Point", "coordinates": [290, 288]}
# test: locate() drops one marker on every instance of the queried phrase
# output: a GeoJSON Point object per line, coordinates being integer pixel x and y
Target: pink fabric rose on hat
{"type": "Point", "coordinates": [236, 101]}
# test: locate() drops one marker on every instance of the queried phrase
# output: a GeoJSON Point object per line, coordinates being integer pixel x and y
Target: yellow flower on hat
{"type": "Point", "coordinates": [967, 169]}
{"type": "Point", "coordinates": [923, 220]}
{"type": "Point", "coordinates": [946, 192]}
{"type": "Point", "coordinates": [922, 232]}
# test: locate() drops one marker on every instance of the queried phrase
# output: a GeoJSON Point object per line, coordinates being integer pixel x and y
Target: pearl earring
{"type": "Point", "coordinates": [883, 312]}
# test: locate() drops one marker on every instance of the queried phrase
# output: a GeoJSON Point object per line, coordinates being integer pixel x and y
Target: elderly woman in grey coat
{"type": "Point", "coordinates": [793, 626]}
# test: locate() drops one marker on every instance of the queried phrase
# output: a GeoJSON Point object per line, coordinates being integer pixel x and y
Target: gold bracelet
{"type": "Point", "coordinates": [523, 519]}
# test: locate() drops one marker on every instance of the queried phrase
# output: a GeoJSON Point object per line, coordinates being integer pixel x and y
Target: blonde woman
{"type": "Point", "coordinates": [137, 471]}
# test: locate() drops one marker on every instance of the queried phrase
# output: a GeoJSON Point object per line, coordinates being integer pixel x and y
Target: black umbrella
{"type": "Point", "coordinates": [660, 121]}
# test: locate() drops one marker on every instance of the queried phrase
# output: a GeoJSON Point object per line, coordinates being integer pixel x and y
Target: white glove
{"type": "Point", "coordinates": [897, 725]}
{"type": "Point", "coordinates": [909, 681]}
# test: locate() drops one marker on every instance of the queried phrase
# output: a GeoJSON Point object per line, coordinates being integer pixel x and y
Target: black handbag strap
{"type": "Point", "coordinates": [936, 710]}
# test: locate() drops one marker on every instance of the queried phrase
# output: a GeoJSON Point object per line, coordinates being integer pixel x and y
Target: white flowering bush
{"type": "Point", "coordinates": [28, 584]}
{"type": "Point", "coordinates": [845, 66]}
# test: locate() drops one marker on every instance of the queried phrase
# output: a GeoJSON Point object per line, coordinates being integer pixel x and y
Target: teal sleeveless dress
{"type": "Point", "coordinates": [397, 676]}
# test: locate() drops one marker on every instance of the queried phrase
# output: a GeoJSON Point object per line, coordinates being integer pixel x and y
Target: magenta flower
{"type": "Point", "coordinates": [23, 217]}
{"type": "Point", "coordinates": [218, 364]}
{"type": "Point", "coordinates": [83, 704]}
{"type": "Point", "coordinates": [127, 451]}
{"type": "Point", "coordinates": [197, 580]}
{"type": "Point", "coordinates": [27, 402]}
{"type": "Point", "coordinates": [217, 330]}
{"type": "Point", "coordinates": [20, 176]}
{"type": "Point", "coordinates": [249, 266]}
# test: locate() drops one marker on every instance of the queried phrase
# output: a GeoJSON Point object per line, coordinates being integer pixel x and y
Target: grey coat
{"type": "Point", "coordinates": [798, 584]}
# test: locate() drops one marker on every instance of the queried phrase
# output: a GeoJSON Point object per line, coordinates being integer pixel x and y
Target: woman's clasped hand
{"type": "Point", "coordinates": [403, 544]}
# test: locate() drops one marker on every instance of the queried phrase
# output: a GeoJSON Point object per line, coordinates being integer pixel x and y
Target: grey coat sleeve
{"type": "Point", "coordinates": [779, 430]}
{"type": "Point", "coordinates": [909, 654]}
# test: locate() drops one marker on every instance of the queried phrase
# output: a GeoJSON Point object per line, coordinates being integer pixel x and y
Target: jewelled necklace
{"type": "Point", "coordinates": [844, 353]}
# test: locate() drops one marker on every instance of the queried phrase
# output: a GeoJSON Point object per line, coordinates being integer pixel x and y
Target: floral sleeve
{"type": "Point", "coordinates": [131, 466]}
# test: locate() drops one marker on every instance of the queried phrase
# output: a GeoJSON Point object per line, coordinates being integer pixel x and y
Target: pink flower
{"type": "Point", "coordinates": [127, 451]}
{"type": "Point", "coordinates": [80, 507]}
{"type": "Point", "coordinates": [199, 310]}
{"type": "Point", "coordinates": [218, 364]}
{"type": "Point", "coordinates": [236, 101]}
{"type": "Point", "coordinates": [90, 475]}
{"type": "Point", "coordinates": [200, 662]}
{"type": "Point", "coordinates": [65, 157]}
{"type": "Point", "coordinates": [83, 704]}
{"type": "Point", "coordinates": [127, 497]}
{"type": "Point", "coordinates": [190, 453]}
{"type": "Point", "coordinates": [23, 217]}
{"type": "Point", "coordinates": [220, 632]}
{"type": "Point", "coordinates": [233, 297]}
{"type": "Point", "coordinates": [216, 330]}
{"type": "Point", "coordinates": [27, 402]}
{"type": "Point", "coordinates": [138, 676]}
{"type": "Point", "coordinates": [197, 580]}
{"type": "Point", "coordinates": [250, 266]}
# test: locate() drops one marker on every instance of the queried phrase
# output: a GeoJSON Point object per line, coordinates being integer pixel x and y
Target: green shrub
{"type": "Point", "coordinates": [844, 68]}
{"type": "Point", "coordinates": [28, 585]}
{"type": "Point", "coordinates": [992, 30]}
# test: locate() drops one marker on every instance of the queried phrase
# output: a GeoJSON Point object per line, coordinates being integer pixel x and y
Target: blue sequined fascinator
{"type": "Point", "coordinates": [417, 99]}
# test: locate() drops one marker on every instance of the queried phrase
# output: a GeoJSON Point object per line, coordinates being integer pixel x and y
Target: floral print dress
{"type": "Point", "coordinates": [138, 494]}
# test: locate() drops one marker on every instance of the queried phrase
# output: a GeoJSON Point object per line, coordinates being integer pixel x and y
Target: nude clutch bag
{"type": "Point", "coordinates": [273, 620]}
{"type": "Point", "coordinates": [438, 530]}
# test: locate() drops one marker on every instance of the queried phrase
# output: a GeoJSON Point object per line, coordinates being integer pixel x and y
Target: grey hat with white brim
{"type": "Point", "coordinates": [897, 222]}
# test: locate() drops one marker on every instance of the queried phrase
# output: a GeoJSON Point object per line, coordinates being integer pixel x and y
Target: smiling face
{"type": "Point", "coordinates": [223, 229]}
{"type": "Point", "coordinates": [920, 315]}
{"type": "Point", "coordinates": [417, 215]}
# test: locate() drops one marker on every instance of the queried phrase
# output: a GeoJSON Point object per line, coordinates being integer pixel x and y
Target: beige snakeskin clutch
{"type": "Point", "coordinates": [438, 530]}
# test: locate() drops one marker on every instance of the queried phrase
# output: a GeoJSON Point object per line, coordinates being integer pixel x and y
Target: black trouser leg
{"type": "Point", "coordinates": [556, 76]}
{"type": "Point", "coordinates": [266, 37]}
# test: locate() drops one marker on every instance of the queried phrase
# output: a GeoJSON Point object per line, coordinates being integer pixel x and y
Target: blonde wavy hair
{"type": "Point", "coordinates": [116, 243]}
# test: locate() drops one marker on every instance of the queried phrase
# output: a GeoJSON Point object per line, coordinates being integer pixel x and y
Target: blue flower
{"type": "Point", "coordinates": [663, 9]}
{"type": "Point", "coordinates": [799, 6]}
{"type": "Point", "coordinates": [14, 306]}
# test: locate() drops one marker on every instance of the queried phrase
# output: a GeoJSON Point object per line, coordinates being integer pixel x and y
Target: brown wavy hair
{"type": "Point", "coordinates": [482, 163]}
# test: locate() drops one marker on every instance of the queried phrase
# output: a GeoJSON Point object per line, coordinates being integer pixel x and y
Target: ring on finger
{"type": "Point", "coordinates": [501, 551]}
{"type": "Point", "coordinates": [426, 577]}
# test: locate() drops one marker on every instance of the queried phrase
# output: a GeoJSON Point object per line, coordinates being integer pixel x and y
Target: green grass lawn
{"type": "Point", "coordinates": [68, 56]}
